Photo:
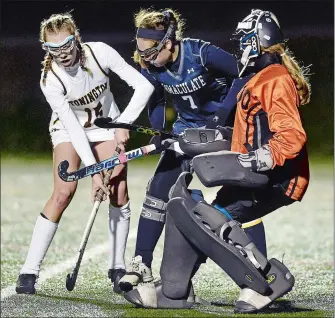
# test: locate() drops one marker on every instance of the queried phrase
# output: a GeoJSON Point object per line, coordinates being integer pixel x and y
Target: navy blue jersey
{"type": "Point", "coordinates": [197, 82]}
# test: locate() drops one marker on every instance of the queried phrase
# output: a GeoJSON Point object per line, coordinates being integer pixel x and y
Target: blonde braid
{"type": "Point", "coordinates": [46, 66]}
{"type": "Point", "coordinates": [82, 59]}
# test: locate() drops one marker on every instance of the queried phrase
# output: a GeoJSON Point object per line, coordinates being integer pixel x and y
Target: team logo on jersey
{"type": "Point", "coordinates": [187, 87]}
{"type": "Point", "coordinates": [90, 97]}
{"type": "Point", "coordinates": [190, 70]}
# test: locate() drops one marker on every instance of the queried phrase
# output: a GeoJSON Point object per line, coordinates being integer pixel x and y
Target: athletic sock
{"type": "Point", "coordinates": [43, 234]}
{"type": "Point", "coordinates": [118, 229]}
{"type": "Point", "coordinates": [148, 234]}
{"type": "Point", "coordinates": [255, 230]}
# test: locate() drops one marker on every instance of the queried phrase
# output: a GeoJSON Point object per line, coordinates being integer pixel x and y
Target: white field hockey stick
{"type": "Point", "coordinates": [102, 165]}
{"type": "Point", "coordinates": [72, 278]}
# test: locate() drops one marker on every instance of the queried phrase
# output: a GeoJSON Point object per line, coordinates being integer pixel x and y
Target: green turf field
{"type": "Point", "coordinates": [304, 232]}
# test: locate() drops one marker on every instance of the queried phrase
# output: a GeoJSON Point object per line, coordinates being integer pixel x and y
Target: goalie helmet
{"type": "Point", "coordinates": [259, 28]}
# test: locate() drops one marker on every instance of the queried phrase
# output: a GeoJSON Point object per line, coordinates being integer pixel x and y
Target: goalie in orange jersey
{"type": "Point", "coordinates": [268, 130]}
{"type": "Point", "coordinates": [267, 168]}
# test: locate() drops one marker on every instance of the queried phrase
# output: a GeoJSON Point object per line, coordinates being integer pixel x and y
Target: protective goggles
{"type": "Point", "coordinates": [150, 54]}
{"type": "Point", "coordinates": [65, 47]}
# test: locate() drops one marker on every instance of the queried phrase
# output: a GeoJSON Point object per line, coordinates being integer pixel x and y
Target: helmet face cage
{"type": "Point", "coordinates": [247, 33]}
{"type": "Point", "coordinates": [251, 40]}
{"type": "Point", "coordinates": [260, 28]}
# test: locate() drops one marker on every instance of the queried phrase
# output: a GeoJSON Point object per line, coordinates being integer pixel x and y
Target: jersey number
{"type": "Point", "coordinates": [190, 98]}
{"type": "Point", "coordinates": [97, 112]}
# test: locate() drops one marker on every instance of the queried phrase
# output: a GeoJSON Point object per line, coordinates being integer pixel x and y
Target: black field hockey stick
{"type": "Point", "coordinates": [102, 165]}
{"type": "Point", "coordinates": [72, 278]}
{"type": "Point", "coordinates": [107, 122]}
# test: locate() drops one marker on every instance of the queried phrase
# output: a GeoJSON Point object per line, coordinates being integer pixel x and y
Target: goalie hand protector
{"type": "Point", "coordinates": [224, 168]}
{"type": "Point", "coordinates": [196, 141]}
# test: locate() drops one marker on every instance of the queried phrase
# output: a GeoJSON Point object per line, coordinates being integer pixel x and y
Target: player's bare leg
{"type": "Point", "coordinates": [47, 222]}
{"type": "Point", "coordinates": [119, 214]}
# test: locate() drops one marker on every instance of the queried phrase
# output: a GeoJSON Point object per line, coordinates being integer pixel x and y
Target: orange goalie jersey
{"type": "Point", "coordinates": [267, 113]}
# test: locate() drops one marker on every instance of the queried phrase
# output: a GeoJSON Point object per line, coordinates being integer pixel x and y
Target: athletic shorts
{"type": "Point", "coordinates": [245, 204]}
{"type": "Point", "coordinates": [59, 136]}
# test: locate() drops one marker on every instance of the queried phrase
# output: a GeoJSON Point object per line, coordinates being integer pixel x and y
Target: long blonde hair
{"type": "Point", "coordinates": [54, 24]}
{"type": "Point", "coordinates": [152, 19]}
{"type": "Point", "coordinates": [299, 74]}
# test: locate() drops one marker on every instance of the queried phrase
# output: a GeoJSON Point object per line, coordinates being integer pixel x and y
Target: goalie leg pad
{"type": "Point", "coordinates": [195, 141]}
{"type": "Point", "coordinates": [215, 235]}
{"type": "Point", "coordinates": [281, 282]}
{"type": "Point", "coordinates": [179, 259]}
{"type": "Point", "coordinates": [223, 168]}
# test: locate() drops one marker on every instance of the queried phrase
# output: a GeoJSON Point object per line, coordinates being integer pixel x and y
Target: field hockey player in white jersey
{"type": "Point", "coordinates": [76, 85]}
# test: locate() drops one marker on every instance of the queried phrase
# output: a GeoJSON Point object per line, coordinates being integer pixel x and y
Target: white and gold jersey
{"type": "Point", "coordinates": [77, 97]}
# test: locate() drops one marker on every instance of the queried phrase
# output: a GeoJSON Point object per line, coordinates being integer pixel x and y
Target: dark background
{"type": "Point", "coordinates": [309, 26]}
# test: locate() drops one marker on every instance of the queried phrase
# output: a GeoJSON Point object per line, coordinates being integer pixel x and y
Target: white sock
{"type": "Point", "coordinates": [43, 234]}
{"type": "Point", "coordinates": [119, 219]}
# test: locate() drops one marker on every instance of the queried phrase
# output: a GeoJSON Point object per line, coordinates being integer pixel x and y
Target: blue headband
{"type": "Point", "coordinates": [152, 34]}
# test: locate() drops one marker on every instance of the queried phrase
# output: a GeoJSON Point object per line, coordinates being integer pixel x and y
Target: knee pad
{"type": "Point", "coordinates": [153, 209]}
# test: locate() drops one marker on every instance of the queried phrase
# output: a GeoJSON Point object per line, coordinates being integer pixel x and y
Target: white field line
{"type": "Point", "coordinates": [67, 264]}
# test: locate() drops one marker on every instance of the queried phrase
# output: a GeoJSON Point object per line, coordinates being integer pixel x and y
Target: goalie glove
{"type": "Point", "coordinates": [258, 160]}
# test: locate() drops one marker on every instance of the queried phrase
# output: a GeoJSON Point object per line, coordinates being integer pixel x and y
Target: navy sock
{"type": "Point", "coordinates": [255, 230]}
{"type": "Point", "coordinates": [146, 243]}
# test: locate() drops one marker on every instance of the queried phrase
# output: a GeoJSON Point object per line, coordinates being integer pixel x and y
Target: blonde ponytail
{"type": "Point", "coordinates": [299, 74]}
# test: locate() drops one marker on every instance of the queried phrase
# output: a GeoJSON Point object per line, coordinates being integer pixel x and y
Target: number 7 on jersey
{"type": "Point", "coordinates": [190, 98]}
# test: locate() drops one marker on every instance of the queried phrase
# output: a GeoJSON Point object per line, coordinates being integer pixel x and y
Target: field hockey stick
{"type": "Point", "coordinates": [107, 122]}
{"type": "Point", "coordinates": [72, 278]}
{"type": "Point", "coordinates": [102, 165]}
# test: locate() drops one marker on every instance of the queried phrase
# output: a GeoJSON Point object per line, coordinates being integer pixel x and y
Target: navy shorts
{"type": "Point", "coordinates": [245, 204]}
